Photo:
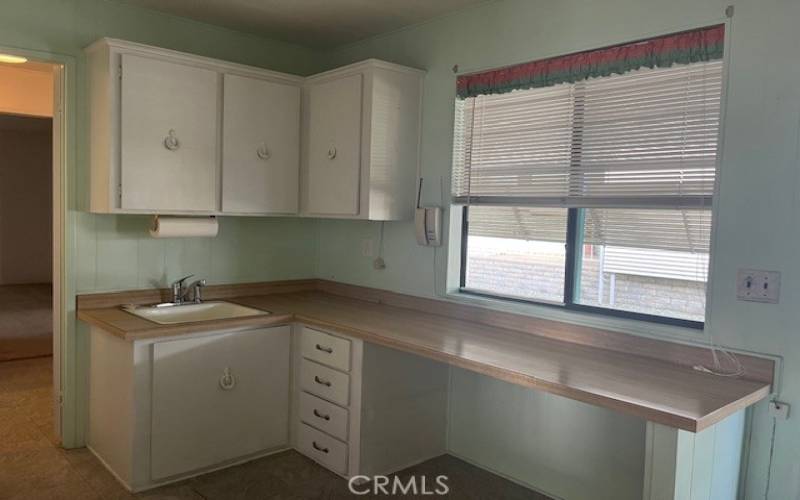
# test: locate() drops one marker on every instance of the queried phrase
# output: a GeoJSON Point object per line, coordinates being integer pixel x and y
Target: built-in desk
{"type": "Point", "coordinates": [695, 420]}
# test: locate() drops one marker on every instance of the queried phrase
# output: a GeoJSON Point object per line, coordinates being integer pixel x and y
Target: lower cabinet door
{"type": "Point", "coordinates": [217, 398]}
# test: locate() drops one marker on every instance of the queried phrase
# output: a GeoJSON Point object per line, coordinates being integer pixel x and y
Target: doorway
{"type": "Point", "coordinates": [30, 165]}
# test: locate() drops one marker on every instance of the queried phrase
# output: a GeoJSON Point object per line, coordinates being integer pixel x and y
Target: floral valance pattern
{"type": "Point", "coordinates": [703, 44]}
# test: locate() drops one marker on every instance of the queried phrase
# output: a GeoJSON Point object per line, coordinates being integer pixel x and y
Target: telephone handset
{"type": "Point", "coordinates": [428, 222]}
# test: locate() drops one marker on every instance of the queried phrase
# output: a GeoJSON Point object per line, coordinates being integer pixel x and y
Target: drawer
{"type": "Point", "coordinates": [325, 382]}
{"type": "Point", "coordinates": [326, 450]}
{"type": "Point", "coordinates": [323, 415]}
{"type": "Point", "coordinates": [326, 349]}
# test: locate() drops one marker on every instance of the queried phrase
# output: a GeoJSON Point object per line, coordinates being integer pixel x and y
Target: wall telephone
{"type": "Point", "coordinates": [428, 223]}
{"type": "Point", "coordinates": [429, 226]}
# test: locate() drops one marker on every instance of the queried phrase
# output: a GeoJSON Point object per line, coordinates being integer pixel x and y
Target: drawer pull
{"type": "Point", "coordinates": [320, 415]}
{"type": "Point", "coordinates": [319, 448]}
{"type": "Point", "coordinates": [325, 348]}
{"type": "Point", "coordinates": [322, 381]}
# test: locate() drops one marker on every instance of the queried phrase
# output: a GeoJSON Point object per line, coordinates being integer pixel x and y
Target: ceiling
{"type": "Point", "coordinates": [314, 23]}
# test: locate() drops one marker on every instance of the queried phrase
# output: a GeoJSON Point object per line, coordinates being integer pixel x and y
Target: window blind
{"type": "Point", "coordinates": [684, 230]}
{"type": "Point", "coordinates": [519, 223]}
{"type": "Point", "coordinates": [646, 138]}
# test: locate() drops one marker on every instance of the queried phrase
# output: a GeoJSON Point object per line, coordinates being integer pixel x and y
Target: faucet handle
{"type": "Point", "coordinates": [181, 281]}
{"type": "Point", "coordinates": [196, 288]}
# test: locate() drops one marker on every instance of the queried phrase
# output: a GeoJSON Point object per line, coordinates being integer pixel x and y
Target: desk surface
{"type": "Point", "coordinates": [655, 390]}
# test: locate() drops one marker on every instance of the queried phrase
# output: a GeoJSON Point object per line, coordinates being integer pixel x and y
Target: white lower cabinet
{"type": "Point", "coordinates": [165, 409]}
{"type": "Point", "coordinates": [363, 409]}
{"type": "Point", "coordinates": [323, 448]}
{"type": "Point", "coordinates": [231, 389]}
{"type": "Point", "coordinates": [327, 417]}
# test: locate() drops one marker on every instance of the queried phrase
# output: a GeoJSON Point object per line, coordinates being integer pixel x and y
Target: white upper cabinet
{"type": "Point", "coordinates": [260, 146]}
{"type": "Point", "coordinates": [361, 151]}
{"type": "Point", "coordinates": [174, 133]}
{"type": "Point", "coordinates": [168, 130]}
{"type": "Point", "coordinates": [334, 146]}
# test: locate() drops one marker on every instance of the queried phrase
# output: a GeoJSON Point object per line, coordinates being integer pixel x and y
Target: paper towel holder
{"type": "Point", "coordinates": [169, 226]}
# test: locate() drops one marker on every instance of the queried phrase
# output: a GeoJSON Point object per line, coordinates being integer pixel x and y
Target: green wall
{"type": "Point", "coordinates": [114, 252]}
{"type": "Point", "coordinates": [756, 224]}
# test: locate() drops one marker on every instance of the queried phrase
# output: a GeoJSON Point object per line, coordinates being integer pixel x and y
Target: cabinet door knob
{"type": "Point", "coordinates": [325, 348]}
{"type": "Point", "coordinates": [171, 142]}
{"type": "Point", "coordinates": [319, 448]}
{"type": "Point", "coordinates": [320, 415]}
{"type": "Point", "coordinates": [332, 153]}
{"type": "Point", "coordinates": [227, 381]}
{"type": "Point", "coordinates": [322, 381]}
{"type": "Point", "coordinates": [263, 152]}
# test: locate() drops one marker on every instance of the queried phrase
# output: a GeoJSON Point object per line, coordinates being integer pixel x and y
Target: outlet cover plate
{"type": "Point", "coordinates": [779, 410]}
{"type": "Point", "coordinates": [758, 286]}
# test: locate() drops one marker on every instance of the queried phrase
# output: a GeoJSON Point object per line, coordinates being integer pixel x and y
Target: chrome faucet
{"type": "Point", "coordinates": [180, 291]}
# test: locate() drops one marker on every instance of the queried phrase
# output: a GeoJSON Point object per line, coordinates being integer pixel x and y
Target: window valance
{"type": "Point", "coordinates": [698, 45]}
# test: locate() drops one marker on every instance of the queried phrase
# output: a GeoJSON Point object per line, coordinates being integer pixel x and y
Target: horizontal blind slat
{"type": "Point", "coordinates": [607, 140]}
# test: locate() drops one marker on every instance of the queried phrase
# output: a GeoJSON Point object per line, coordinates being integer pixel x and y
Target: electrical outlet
{"type": "Point", "coordinates": [366, 248]}
{"type": "Point", "coordinates": [779, 410]}
{"type": "Point", "coordinates": [758, 286]}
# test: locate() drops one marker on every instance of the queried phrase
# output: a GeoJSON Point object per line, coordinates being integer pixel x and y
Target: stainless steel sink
{"type": "Point", "coordinates": [170, 314]}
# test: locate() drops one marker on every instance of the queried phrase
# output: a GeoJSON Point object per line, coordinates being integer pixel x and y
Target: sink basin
{"type": "Point", "coordinates": [170, 314]}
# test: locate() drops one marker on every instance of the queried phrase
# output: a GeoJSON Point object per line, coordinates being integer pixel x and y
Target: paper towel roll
{"type": "Point", "coordinates": [184, 227]}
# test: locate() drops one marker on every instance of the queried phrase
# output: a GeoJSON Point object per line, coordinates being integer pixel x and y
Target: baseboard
{"type": "Point", "coordinates": [189, 475]}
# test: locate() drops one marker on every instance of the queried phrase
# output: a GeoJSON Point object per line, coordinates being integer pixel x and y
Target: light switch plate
{"type": "Point", "coordinates": [758, 286]}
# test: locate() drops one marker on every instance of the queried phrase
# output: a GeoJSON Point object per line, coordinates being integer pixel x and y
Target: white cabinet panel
{"type": "Point", "coordinates": [324, 449]}
{"type": "Point", "coordinates": [334, 146]}
{"type": "Point", "coordinates": [168, 136]}
{"type": "Point", "coordinates": [260, 147]}
{"type": "Point", "coordinates": [217, 398]}
{"type": "Point", "coordinates": [323, 415]}
{"type": "Point", "coordinates": [325, 382]}
{"type": "Point", "coordinates": [326, 349]}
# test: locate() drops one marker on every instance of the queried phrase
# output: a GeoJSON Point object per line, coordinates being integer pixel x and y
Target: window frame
{"type": "Point", "coordinates": [573, 258]}
{"type": "Point", "coordinates": [572, 263]}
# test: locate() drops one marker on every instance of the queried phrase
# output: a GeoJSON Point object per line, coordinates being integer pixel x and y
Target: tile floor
{"type": "Point", "coordinates": [33, 467]}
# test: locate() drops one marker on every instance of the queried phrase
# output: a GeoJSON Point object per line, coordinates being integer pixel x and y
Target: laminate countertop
{"type": "Point", "coordinates": [656, 390]}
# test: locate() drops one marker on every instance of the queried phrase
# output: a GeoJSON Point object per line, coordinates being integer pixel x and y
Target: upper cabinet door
{"type": "Point", "coordinates": [260, 146]}
{"type": "Point", "coordinates": [334, 146]}
{"type": "Point", "coordinates": [169, 136]}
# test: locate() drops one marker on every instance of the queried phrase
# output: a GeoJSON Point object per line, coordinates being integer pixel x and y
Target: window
{"type": "Point", "coordinates": [590, 186]}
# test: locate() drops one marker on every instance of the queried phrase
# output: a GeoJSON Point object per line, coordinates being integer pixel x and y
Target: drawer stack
{"type": "Point", "coordinates": [323, 398]}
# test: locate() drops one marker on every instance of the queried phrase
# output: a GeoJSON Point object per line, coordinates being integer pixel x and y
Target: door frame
{"type": "Point", "coordinates": [66, 417]}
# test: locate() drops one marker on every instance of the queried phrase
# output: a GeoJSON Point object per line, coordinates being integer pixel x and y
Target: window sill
{"type": "Point", "coordinates": [641, 328]}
